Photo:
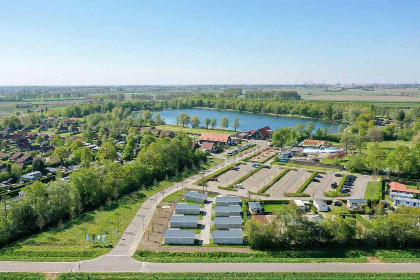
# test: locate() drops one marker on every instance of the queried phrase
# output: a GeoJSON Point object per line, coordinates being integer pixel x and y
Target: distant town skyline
{"type": "Point", "coordinates": [208, 42]}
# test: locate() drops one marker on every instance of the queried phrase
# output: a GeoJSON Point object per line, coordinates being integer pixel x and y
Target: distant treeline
{"type": "Point", "coordinates": [313, 109]}
{"type": "Point", "coordinates": [273, 94]}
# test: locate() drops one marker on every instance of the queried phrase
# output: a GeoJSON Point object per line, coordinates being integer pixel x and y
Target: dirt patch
{"type": "Point", "coordinates": [372, 259]}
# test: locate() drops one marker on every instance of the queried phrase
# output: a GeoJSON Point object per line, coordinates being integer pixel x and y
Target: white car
{"type": "Point", "coordinates": [239, 186]}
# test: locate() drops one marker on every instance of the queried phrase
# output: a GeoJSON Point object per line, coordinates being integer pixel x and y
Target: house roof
{"type": "Point", "coordinates": [177, 233]}
{"type": "Point", "coordinates": [254, 205]}
{"type": "Point", "coordinates": [24, 158]}
{"type": "Point", "coordinates": [196, 195]}
{"type": "Point", "coordinates": [398, 187]}
{"type": "Point", "coordinates": [184, 218]}
{"type": "Point", "coordinates": [227, 199]}
{"type": "Point", "coordinates": [216, 137]}
{"type": "Point", "coordinates": [231, 233]}
{"type": "Point", "coordinates": [3, 155]}
{"type": "Point", "coordinates": [320, 202]}
{"type": "Point", "coordinates": [265, 131]}
{"type": "Point", "coordinates": [207, 146]}
{"type": "Point", "coordinates": [234, 208]}
{"type": "Point", "coordinates": [187, 206]}
{"type": "Point", "coordinates": [15, 156]}
{"type": "Point", "coordinates": [228, 220]}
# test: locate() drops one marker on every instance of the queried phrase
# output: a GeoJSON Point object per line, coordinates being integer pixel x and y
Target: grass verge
{"type": "Point", "coordinates": [240, 275]}
{"type": "Point", "coordinates": [373, 191]}
{"type": "Point", "coordinates": [287, 256]}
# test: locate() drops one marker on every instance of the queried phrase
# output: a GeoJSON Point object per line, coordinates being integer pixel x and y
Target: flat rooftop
{"type": "Point", "coordinates": [231, 233]}
{"type": "Point", "coordinates": [177, 233]}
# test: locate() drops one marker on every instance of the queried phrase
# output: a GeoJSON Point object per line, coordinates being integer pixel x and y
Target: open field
{"type": "Point", "coordinates": [193, 130]}
{"type": "Point", "coordinates": [239, 275]}
{"type": "Point", "coordinates": [287, 256]}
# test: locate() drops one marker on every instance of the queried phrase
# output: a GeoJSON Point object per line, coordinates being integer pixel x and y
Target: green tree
{"type": "Point", "coordinates": [310, 126]}
{"type": "Point", "coordinates": [38, 165]}
{"type": "Point", "coordinates": [195, 121]}
{"type": "Point", "coordinates": [213, 123]}
{"type": "Point", "coordinates": [184, 119]}
{"type": "Point", "coordinates": [207, 122]}
{"type": "Point", "coordinates": [107, 151]}
{"type": "Point", "coordinates": [224, 122]}
{"type": "Point", "coordinates": [86, 157]}
{"type": "Point", "coordinates": [60, 153]}
{"type": "Point", "coordinates": [129, 148]}
{"type": "Point", "coordinates": [236, 123]}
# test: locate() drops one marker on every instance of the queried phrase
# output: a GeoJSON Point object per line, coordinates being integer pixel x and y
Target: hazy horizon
{"type": "Point", "coordinates": [181, 43]}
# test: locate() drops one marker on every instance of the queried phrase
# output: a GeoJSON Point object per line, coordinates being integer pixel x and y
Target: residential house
{"type": "Point", "coordinates": [25, 159]}
{"type": "Point", "coordinates": [227, 222]}
{"type": "Point", "coordinates": [228, 200]}
{"type": "Point", "coordinates": [401, 195]}
{"type": "Point", "coordinates": [255, 208]}
{"type": "Point", "coordinates": [226, 211]}
{"type": "Point", "coordinates": [15, 156]}
{"type": "Point", "coordinates": [208, 147]}
{"type": "Point", "coordinates": [4, 156]}
{"type": "Point", "coordinates": [231, 236]}
{"type": "Point", "coordinates": [195, 196]}
{"type": "Point", "coordinates": [216, 138]}
{"type": "Point", "coordinates": [321, 205]}
{"type": "Point", "coordinates": [32, 176]}
{"type": "Point", "coordinates": [187, 209]}
{"type": "Point", "coordinates": [183, 221]}
{"type": "Point", "coordinates": [263, 133]}
{"type": "Point", "coordinates": [356, 203]}
{"type": "Point", "coordinates": [176, 236]}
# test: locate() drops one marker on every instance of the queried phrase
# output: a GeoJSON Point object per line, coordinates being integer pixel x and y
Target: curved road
{"type": "Point", "coordinates": [119, 259]}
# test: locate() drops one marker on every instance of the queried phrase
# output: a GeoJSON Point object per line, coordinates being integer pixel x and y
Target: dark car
{"type": "Point", "coordinates": [319, 176]}
{"type": "Point", "coordinates": [267, 166]}
{"type": "Point", "coordinates": [315, 180]}
{"type": "Point", "coordinates": [235, 168]}
{"type": "Point", "coordinates": [338, 175]}
{"type": "Point", "coordinates": [345, 190]}
{"type": "Point", "coordinates": [334, 185]}
{"type": "Point", "coordinates": [213, 179]}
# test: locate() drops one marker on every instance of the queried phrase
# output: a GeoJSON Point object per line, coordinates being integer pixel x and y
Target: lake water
{"type": "Point", "coordinates": [247, 121]}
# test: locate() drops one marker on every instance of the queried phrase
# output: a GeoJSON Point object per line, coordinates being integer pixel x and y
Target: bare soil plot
{"type": "Point", "coordinates": [260, 179]}
{"type": "Point", "coordinates": [264, 155]}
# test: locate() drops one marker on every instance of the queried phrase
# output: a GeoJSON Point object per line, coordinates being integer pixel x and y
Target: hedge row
{"type": "Point", "coordinates": [307, 182]}
{"type": "Point", "coordinates": [296, 194]}
{"type": "Point", "coordinates": [275, 180]}
{"type": "Point", "coordinates": [267, 159]}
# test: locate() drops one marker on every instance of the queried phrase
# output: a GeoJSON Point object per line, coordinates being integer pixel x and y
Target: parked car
{"type": "Point", "coordinates": [334, 185]}
{"type": "Point", "coordinates": [315, 180]}
{"type": "Point", "coordinates": [282, 160]}
{"type": "Point", "coordinates": [343, 190]}
{"type": "Point", "coordinates": [338, 175]}
{"type": "Point", "coordinates": [239, 186]}
{"type": "Point", "coordinates": [267, 166]}
{"type": "Point", "coordinates": [337, 203]}
{"type": "Point", "coordinates": [235, 168]}
{"type": "Point", "coordinates": [214, 179]}
{"type": "Point", "coordinates": [255, 165]}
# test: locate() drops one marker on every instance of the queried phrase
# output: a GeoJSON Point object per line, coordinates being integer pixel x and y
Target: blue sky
{"type": "Point", "coordinates": [208, 42]}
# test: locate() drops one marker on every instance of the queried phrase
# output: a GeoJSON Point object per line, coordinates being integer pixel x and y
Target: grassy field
{"type": "Point", "coordinates": [285, 256]}
{"type": "Point", "coordinates": [239, 276]}
{"type": "Point", "coordinates": [21, 275]}
{"type": "Point", "coordinates": [193, 130]}
{"type": "Point", "coordinates": [373, 190]}
{"type": "Point", "coordinates": [273, 207]}
{"type": "Point", "coordinates": [66, 242]}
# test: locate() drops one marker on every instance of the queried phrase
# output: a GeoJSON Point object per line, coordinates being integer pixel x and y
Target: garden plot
{"type": "Point", "coordinates": [229, 177]}
{"type": "Point", "coordinates": [261, 178]}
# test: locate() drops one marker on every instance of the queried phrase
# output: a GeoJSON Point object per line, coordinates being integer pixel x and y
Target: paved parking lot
{"type": "Point", "coordinates": [261, 178]}
{"type": "Point", "coordinates": [229, 177]}
{"type": "Point", "coordinates": [317, 189]}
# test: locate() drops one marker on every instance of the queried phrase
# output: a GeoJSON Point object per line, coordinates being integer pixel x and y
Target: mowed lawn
{"type": "Point", "coordinates": [194, 130]}
{"type": "Point", "coordinates": [67, 242]}
{"type": "Point", "coordinates": [273, 207]}
{"type": "Point", "coordinates": [373, 190]}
